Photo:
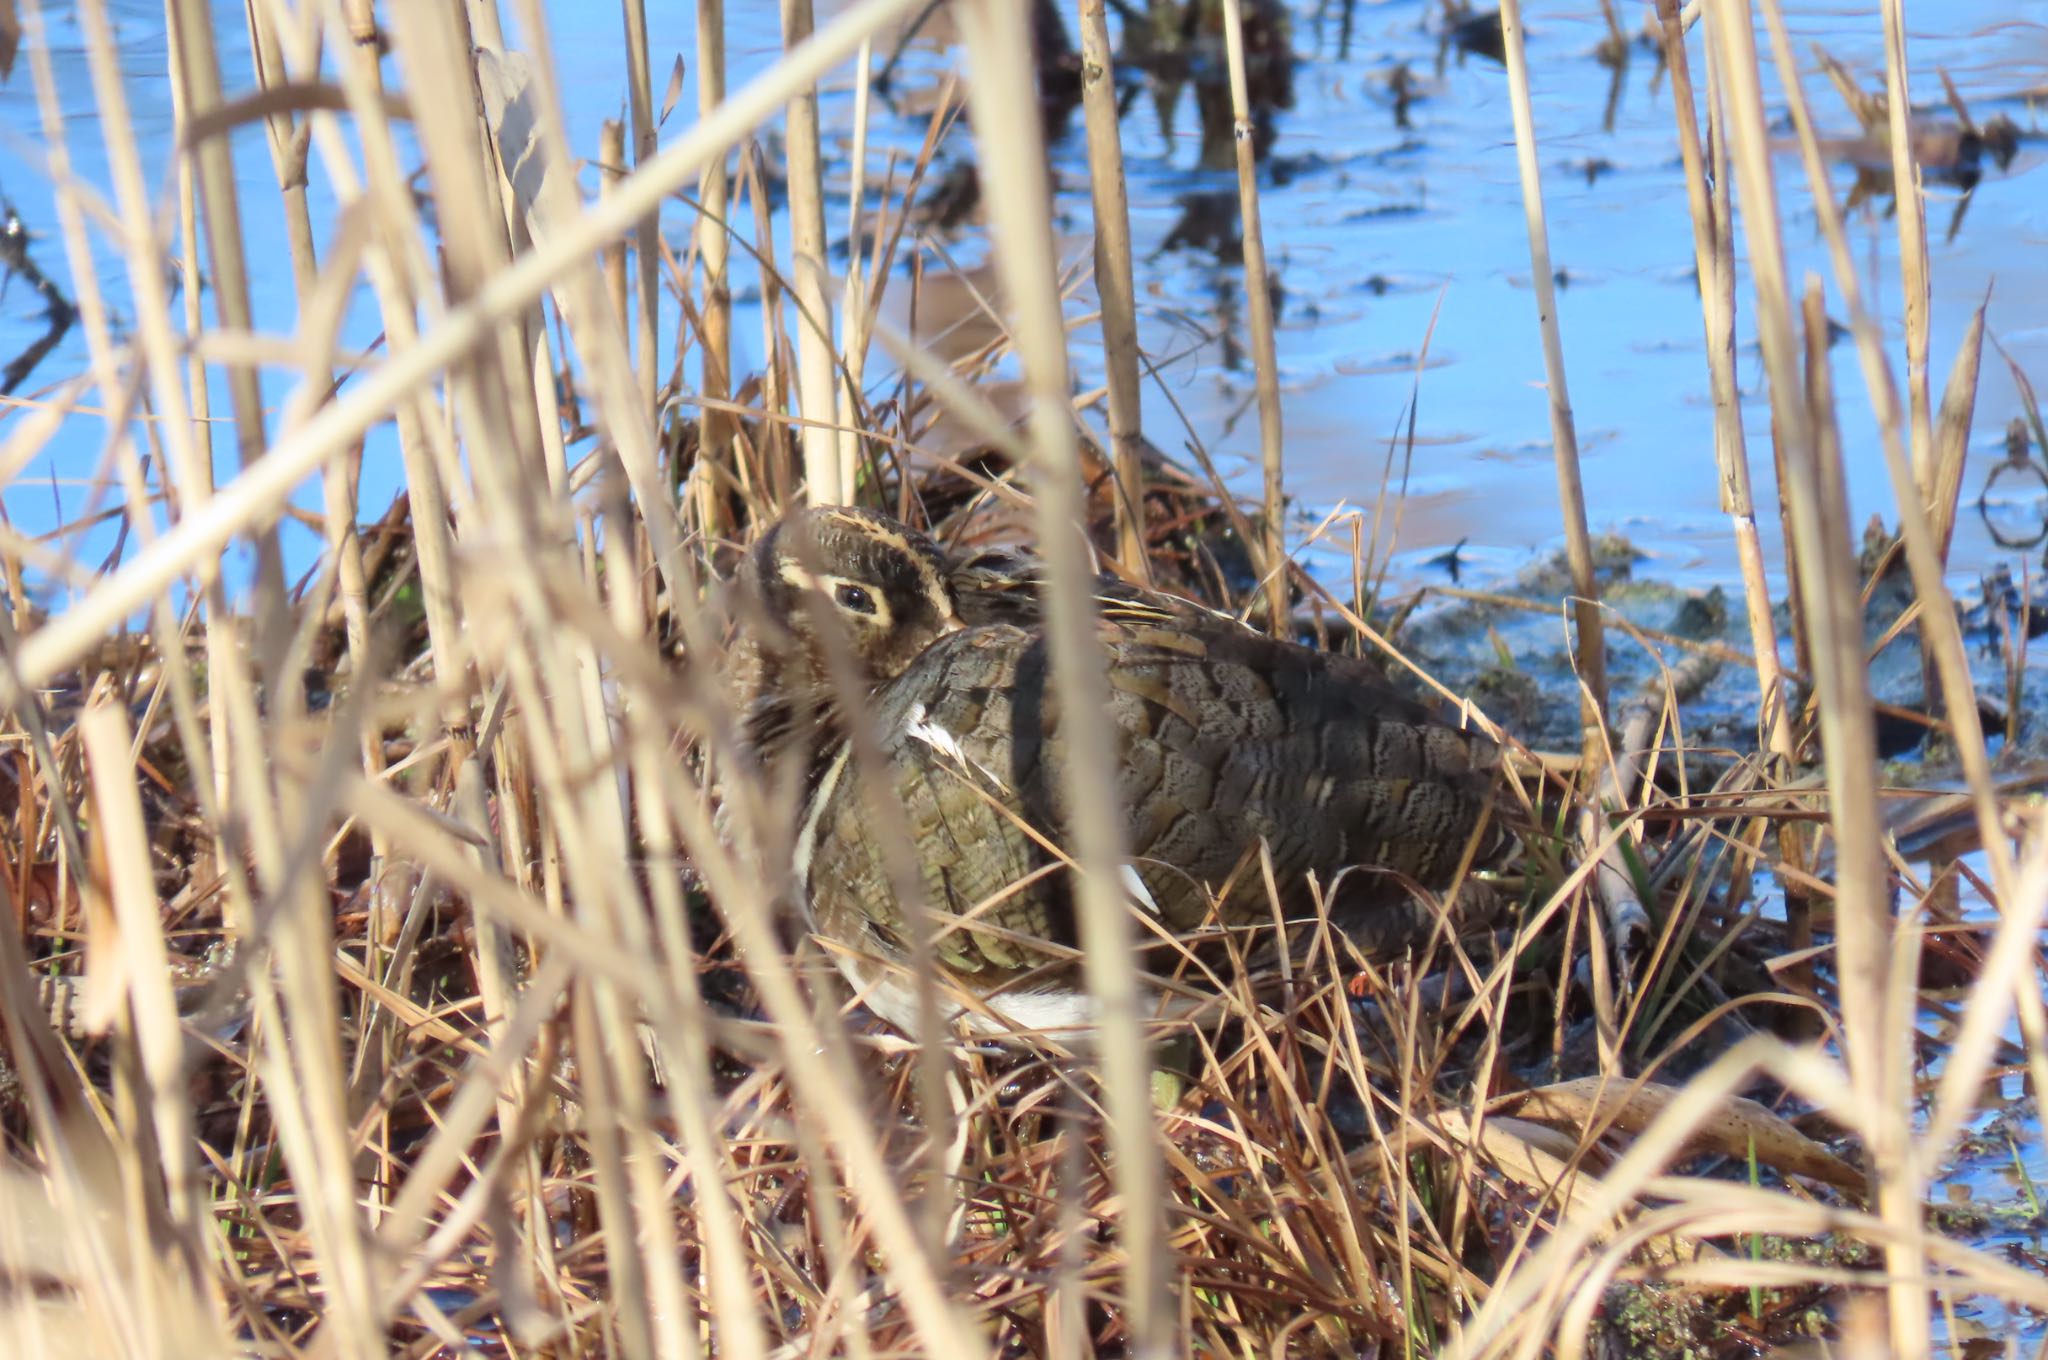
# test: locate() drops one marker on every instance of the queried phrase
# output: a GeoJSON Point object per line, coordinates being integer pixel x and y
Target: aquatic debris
{"type": "Point", "coordinates": [2014, 500]}
{"type": "Point", "coordinates": [58, 313]}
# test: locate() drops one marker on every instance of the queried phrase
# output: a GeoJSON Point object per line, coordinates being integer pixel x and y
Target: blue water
{"type": "Point", "coordinates": [1373, 230]}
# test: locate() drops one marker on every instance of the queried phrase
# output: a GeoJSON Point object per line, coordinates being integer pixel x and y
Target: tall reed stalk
{"type": "Point", "coordinates": [1571, 494]}
{"type": "Point", "coordinates": [828, 474]}
{"type": "Point", "coordinates": [1912, 220]}
{"type": "Point", "coordinates": [1259, 307]}
{"type": "Point", "coordinates": [1114, 284]}
{"type": "Point", "coordinates": [713, 227]}
{"type": "Point", "coordinates": [647, 234]}
{"type": "Point", "coordinates": [1714, 264]}
{"type": "Point", "coordinates": [1878, 1054]}
{"type": "Point", "coordinates": [1002, 104]}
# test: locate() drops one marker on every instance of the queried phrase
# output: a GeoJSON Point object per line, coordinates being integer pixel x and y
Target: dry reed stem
{"type": "Point", "coordinates": [827, 473]}
{"type": "Point", "coordinates": [1114, 285]}
{"type": "Point", "coordinates": [1714, 264]}
{"type": "Point", "coordinates": [587, 824]}
{"type": "Point", "coordinates": [1876, 1036]}
{"type": "Point", "coordinates": [646, 232]}
{"type": "Point", "coordinates": [142, 963]}
{"type": "Point", "coordinates": [1714, 261]}
{"type": "Point", "coordinates": [611, 163]}
{"type": "Point", "coordinates": [1952, 441]}
{"type": "Point", "coordinates": [309, 1138]}
{"type": "Point", "coordinates": [396, 266]}
{"type": "Point", "coordinates": [1591, 652]}
{"type": "Point", "coordinates": [1001, 104]}
{"type": "Point", "coordinates": [779, 477]}
{"type": "Point", "coordinates": [717, 437]}
{"type": "Point", "coordinates": [853, 297]}
{"type": "Point", "coordinates": [1913, 270]}
{"type": "Point", "coordinates": [1259, 306]}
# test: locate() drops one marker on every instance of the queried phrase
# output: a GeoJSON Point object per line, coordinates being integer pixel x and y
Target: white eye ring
{"type": "Point", "coordinates": [853, 599]}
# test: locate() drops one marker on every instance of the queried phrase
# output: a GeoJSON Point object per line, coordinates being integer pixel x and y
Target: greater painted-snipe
{"type": "Point", "coordinates": [1226, 738]}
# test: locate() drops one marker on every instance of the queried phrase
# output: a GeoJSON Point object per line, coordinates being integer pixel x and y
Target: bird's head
{"type": "Point", "coordinates": [828, 575]}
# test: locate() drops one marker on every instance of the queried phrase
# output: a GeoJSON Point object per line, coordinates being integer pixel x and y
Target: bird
{"type": "Point", "coordinates": [857, 631]}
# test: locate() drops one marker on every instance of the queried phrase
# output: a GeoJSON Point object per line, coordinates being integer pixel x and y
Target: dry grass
{"type": "Point", "coordinates": [387, 974]}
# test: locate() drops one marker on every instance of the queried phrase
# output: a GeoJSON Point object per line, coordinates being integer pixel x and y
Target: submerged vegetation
{"type": "Point", "coordinates": [392, 964]}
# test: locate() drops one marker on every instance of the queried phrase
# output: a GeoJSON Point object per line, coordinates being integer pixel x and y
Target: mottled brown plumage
{"type": "Point", "coordinates": [1226, 738]}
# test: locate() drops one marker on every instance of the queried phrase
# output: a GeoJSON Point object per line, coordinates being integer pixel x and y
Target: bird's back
{"type": "Point", "coordinates": [1225, 738]}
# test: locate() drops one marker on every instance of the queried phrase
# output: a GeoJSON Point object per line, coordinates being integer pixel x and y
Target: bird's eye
{"type": "Point", "coordinates": [854, 599]}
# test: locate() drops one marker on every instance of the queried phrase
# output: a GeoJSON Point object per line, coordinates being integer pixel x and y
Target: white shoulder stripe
{"type": "Point", "coordinates": [922, 728]}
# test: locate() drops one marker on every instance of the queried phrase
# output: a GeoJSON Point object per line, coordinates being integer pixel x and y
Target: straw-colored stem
{"type": "Point", "coordinates": [1114, 285]}
{"type": "Point", "coordinates": [1714, 261]}
{"type": "Point", "coordinates": [320, 324]}
{"type": "Point", "coordinates": [778, 470]}
{"type": "Point", "coordinates": [196, 73]}
{"type": "Point", "coordinates": [853, 302]}
{"type": "Point", "coordinates": [1865, 944]}
{"type": "Point", "coordinates": [1001, 104]}
{"type": "Point", "coordinates": [1713, 258]}
{"type": "Point", "coordinates": [611, 168]}
{"type": "Point", "coordinates": [647, 231]}
{"type": "Point", "coordinates": [1912, 216]}
{"type": "Point", "coordinates": [109, 746]}
{"type": "Point", "coordinates": [1875, 1040]}
{"type": "Point", "coordinates": [714, 308]}
{"type": "Point", "coordinates": [390, 263]}
{"type": "Point", "coordinates": [299, 1053]}
{"type": "Point", "coordinates": [1571, 494]}
{"type": "Point", "coordinates": [1952, 440]}
{"type": "Point", "coordinates": [828, 476]}
{"type": "Point", "coordinates": [736, 1324]}
{"type": "Point", "coordinates": [1259, 308]}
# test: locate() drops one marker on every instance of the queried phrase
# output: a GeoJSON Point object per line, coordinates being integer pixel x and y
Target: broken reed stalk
{"type": "Point", "coordinates": [1877, 1045]}
{"type": "Point", "coordinates": [1952, 444]}
{"type": "Point", "coordinates": [1114, 286]}
{"type": "Point", "coordinates": [714, 308]}
{"type": "Point", "coordinates": [1259, 306]}
{"type": "Point", "coordinates": [1941, 632]}
{"type": "Point", "coordinates": [828, 476]}
{"type": "Point", "coordinates": [1003, 107]}
{"type": "Point", "coordinates": [1571, 494]}
{"type": "Point", "coordinates": [1714, 263]}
